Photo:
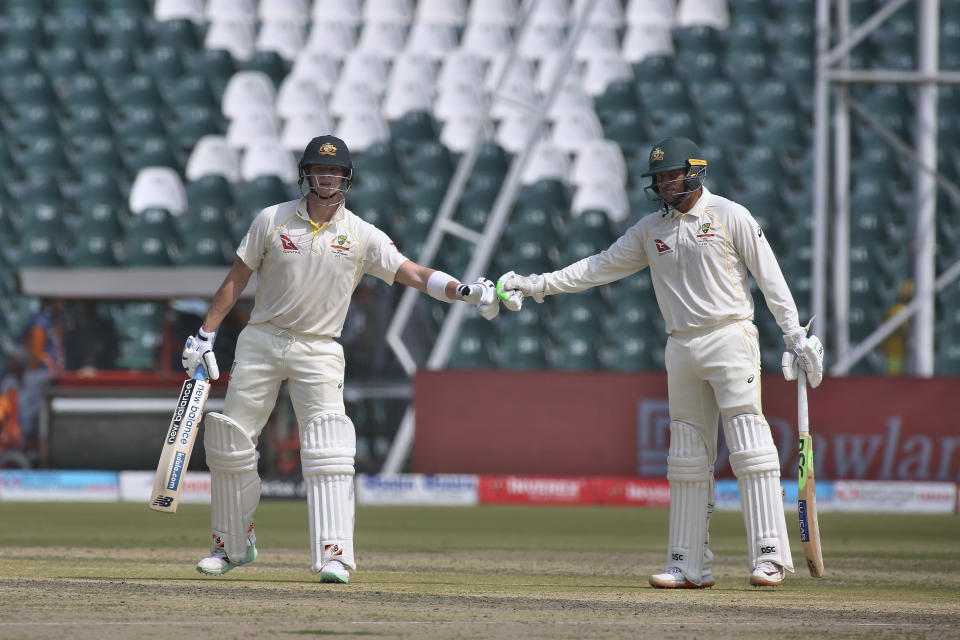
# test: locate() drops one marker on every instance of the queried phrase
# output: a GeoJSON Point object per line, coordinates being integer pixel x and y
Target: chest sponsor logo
{"type": "Point", "coordinates": [288, 245]}
{"type": "Point", "coordinates": [662, 247]}
{"type": "Point", "coordinates": [342, 245]}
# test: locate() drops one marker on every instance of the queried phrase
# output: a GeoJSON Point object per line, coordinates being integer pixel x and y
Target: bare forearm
{"type": "Point", "coordinates": [227, 295]}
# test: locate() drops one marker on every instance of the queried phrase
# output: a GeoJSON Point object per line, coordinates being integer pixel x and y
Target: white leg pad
{"type": "Point", "coordinates": [688, 471]}
{"type": "Point", "coordinates": [328, 445]}
{"type": "Point", "coordinates": [756, 464]}
{"type": "Point", "coordinates": [234, 484]}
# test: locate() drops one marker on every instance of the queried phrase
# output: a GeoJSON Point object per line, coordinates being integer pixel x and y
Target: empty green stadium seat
{"type": "Point", "coordinates": [211, 189]}
{"type": "Point", "coordinates": [41, 250]}
{"type": "Point", "coordinates": [261, 192]}
{"type": "Point", "coordinates": [630, 354]}
{"type": "Point", "coordinates": [162, 63]}
{"type": "Point", "coordinates": [153, 222]}
{"type": "Point", "coordinates": [151, 151]}
{"type": "Point", "coordinates": [179, 34]}
{"type": "Point", "coordinates": [590, 225]}
{"type": "Point", "coordinates": [522, 350]}
{"type": "Point", "coordinates": [269, 62]}
{"type": "Point", "coordinates": [93, 250]}
{"type": "Point", "coordinates": [575, 354]}
{"type": "Point", "coordinates": [473, 347]}
{"type": "Point", "coordinates": [147, 251]}
{"type": "Point", "coordinates": [204, 249]}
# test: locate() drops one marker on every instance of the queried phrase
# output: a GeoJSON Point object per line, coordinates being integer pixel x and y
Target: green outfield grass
{"type": "Point", "coordinates": [121, 570]}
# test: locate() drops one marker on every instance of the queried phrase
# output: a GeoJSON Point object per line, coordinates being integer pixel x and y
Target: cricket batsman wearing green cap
{"type": "Point", "coordinates": [700, 248]}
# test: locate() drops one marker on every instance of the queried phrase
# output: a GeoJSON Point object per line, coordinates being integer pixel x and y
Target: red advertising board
{"type": "Point", "coordinates": [554, 423]}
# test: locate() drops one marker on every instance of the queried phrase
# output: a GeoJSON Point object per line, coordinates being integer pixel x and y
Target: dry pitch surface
{"type": "Point", "coordinates": [485, 572]}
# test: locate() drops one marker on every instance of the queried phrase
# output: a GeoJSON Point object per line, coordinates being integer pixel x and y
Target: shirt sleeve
{"type": "Point", "coordinates": [382, 257]}
{"type": "Point", "coordinates": [253, 247]}
{"type": "Point", "coordinates": [624, 257]}
{"type": "Point", "coordinates": [757, 254]}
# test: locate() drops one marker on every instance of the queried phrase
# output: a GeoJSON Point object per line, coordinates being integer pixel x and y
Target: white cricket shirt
{"type": "Point", "coordinates": [306, 273]}
{"type": "Point", "coordinates": [698, 263]}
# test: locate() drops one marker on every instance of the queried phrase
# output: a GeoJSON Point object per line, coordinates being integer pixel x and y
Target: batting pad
{"type": "Point", "coordinates": [755, 462]}
{"type": "Point", "coordinates": [690, 476]}
{"type": "Point", "coordinates": [328, 444]}
{"type": "Point", "coordinates": [234, 483]}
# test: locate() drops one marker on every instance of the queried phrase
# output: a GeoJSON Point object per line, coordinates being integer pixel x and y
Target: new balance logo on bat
{"type": "Point", "coordinates": [162, 501]}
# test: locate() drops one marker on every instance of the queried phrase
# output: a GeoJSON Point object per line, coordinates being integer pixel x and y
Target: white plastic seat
{"type": "Point", "coordinates": [650, 13]}
{"type": "Point", "coordinates": [596, 40]}
{"type": "Point", "coordinates": [571, 97]}
{"type": "Point", "coordinates": [599, 161]}
{"type": "Point", "coordinates": [486, 40]}
{"type": "Point", "coordinates": [513, 130]}
{"type": "Point", "coordinates": [247, 91]}
{"type": "Point", "coordinates": [573, 128]}
{"type": "Point", "coordinates": [302, 128]}
{"type": "Point", "coordinates": [451, 12]}
{"type": "Point", "coordinates": [500, 12]}
{"type": "Point", "coordinates": [362, 128]}
{"type": "Point", "coordinates": [407, 95]}
{"type": "Point", "coordinates": [213, 155]}
{"type": "Point", "coordinates": [319, 67]}
{"type": "Point", "coordinates": [286, 38]}
{"type": "Point", "coordinates": [250, 125]}
{"type": "Point", "coordinates": [158, 187]}
{"type": "Point", "coordinates": [520, 71]}
{"type": "Point", "coordinates": [395, 11]}
{"type": "Point", "coordinates": [235, 35]}
{"type": "Point", "coordinates": [350, 96]}
{"type": "Point", "coordinates": [413, 67]}
{"type": "Point", "coordinates": [334, 39]}
{"type": "Point", "coordinates": [242, 10]}
{"type": "Point", "coordinates": [367, 68]}
{"type": "Point", "coordinates": [607, 13]}
{"type": "Point", "coordinates": [459, 100]}
{"type": "Point", "coordinates": [432, 39]}
{"type": "Point", "coordinates": [458, 131]}
{"type": "Point", "coordinates": [385, 39]}
{"type": "Point", "coordinates": [540, 40]}
{"type": "Point", "coordinates": [179, 10]}
{"type": "Point", "coordinates": [342, 11]}
{"type": "Point", "coordinates": [705, 13]}
{"type": "Point", "coordinates": [642, 41]}
{"type": "Point", "coordinates": [268, 157]}
{"type": "Point", "coordinates": [573, 72]}
{"type": "Point", "coordinates": [284, 11]}
{"type": "Point", "coordinates": [299, 94]}
{"type": "Point", "coordinates": [604, 69]}
{"type": "Point", "coordinates": [460, 67]}
{"type": "Point", "coordinates": [546, 162]}
{"type": "Point", "coordinates": [604, 196]}
{"type": "Point", "coordinates": [550, 12]}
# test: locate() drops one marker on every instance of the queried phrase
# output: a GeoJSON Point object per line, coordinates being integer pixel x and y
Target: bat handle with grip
{"type": "Point", "coordinates": [803, 415]}
{"type": "Point", "coordinates": [200, 373]}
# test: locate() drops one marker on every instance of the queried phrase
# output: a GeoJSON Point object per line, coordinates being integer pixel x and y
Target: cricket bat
{"type": "Point", "coordinates": [806, 490]}
{"type": "Point", "coordinates": [178, 443]}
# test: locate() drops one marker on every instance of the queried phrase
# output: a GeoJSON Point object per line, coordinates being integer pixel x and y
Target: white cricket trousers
{"type": "Point", "coordinates": [267, 355]}
{"type": "Point", "coordinates": [713, 372]}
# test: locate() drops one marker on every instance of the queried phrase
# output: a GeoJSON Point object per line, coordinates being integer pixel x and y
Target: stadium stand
{"type": "Point", "coordinates": [219, 96]}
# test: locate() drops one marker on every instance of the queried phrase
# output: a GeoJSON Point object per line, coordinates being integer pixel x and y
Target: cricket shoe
{"type": "Point", "coordinates": [217, 563]}
{"type": "Point", "coordinates": [334, 571]}
{"type": "Point", "coordinates": [673, 578]}
{"type": "Point", "coordinates": [767, 574]}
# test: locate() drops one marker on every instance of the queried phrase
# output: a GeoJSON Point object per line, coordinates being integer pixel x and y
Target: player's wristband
{"type": "Point", "coordinates": [437, 285]}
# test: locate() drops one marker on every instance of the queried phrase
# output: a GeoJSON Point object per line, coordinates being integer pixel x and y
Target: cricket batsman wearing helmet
{"type": "Point", "coordinates": [309, 255]}
{"type": "Point", "coordinates": [700, 248]}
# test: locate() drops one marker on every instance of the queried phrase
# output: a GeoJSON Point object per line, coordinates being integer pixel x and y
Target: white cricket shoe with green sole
{"type": "Point", "coordinates": [217, 563]}
{"type": "Point", "coordinates": [334, 571]}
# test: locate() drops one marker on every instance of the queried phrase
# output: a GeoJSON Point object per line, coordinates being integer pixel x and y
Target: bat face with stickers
{"type": "Point", "coordinates": [806, 490]}
{"type": "Point", "coordinates": [178, 443]}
